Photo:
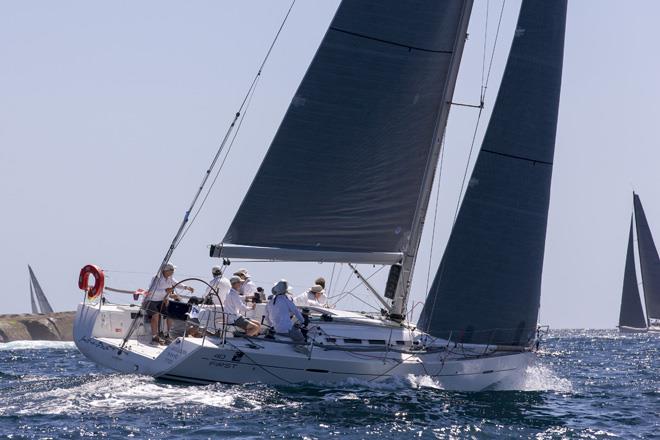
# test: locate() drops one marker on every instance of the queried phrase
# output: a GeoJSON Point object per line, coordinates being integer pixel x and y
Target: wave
{"type": "Point", "coordinates": [37, 345]}
{"type": "Point", "coordinates": [117, 393]}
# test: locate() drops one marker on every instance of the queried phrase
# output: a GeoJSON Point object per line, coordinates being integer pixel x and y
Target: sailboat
{"type": "Point", "coordinates": [38, 299]}
{"type": "Point", "coordinates": [372, 108]}
{"type": "Point", "coordinates": [631, 316]}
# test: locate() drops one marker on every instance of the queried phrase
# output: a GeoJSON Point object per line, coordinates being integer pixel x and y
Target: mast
{"type": "Point", "coordinates": [402, 292]}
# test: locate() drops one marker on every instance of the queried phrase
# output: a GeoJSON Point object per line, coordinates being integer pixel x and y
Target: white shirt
{"type": "Point", "coordinates": [309, 299]}
{"type": "Point", "coordinates": [248, 288]}
{"type": "Point", "coordinates": [221, 284]}
{"type": "Point", "coordinates": [279, 310]}
{"type": "Point", "coordinates": [158, 286]}
{"type": "Point", "coordinates": [234, 305]}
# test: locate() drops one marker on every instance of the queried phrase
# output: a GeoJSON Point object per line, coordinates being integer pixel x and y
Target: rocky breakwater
{"type": "Point", "coordinates": [37, 327]}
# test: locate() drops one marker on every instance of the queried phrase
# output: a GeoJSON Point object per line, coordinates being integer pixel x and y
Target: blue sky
{"type": "Point", "coordinates": [111, 112]}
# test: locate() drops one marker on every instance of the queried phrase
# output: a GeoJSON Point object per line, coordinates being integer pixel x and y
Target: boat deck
{"type": "Point", "coordinates": [147, 350]}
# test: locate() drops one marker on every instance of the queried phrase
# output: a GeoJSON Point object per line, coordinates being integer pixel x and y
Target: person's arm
{"type": "Point", "coordinates": [235, 303]}
{"type": "Point", "coordinates": [242, 307]}
{"type": "Point", "coordinates": [152, 289]}
{"type": "Point", "coordinates": [269, 308]}
{"type": "Point", "coordinates": [182, 287]}
{"type": "Point", "coordinates": [296, 312]}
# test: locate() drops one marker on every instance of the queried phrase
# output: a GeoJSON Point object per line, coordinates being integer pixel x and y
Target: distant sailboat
{"type": "Point", "coordinates": [631, 316]}
{"type": "Point", "coordinates": [38, 298]}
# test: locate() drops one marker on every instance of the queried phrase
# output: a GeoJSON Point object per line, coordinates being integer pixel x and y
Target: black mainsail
{"type": "Point", "coordinates": [649, 263]}
{"type": "Point", "coordinates": [631, 314]}
{"type": "Point", "coordinates": [37, 295]}
{"type": "Point", "coordinates": [348, 168]}
{"type": "Point", "coordinates": [487, 289]}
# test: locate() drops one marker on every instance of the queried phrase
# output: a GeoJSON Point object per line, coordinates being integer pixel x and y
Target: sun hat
{"type": "Point", "coordinates": [242, 273]}
{"type": "Point", "coordinates": [281, 287]}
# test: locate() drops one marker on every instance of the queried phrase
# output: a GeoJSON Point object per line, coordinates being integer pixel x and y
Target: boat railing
{"type": "Point", "coordinates": [210, 319]}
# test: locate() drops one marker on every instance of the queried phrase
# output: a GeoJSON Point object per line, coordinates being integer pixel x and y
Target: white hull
{"type": "Point", "coordinates": [652, 329]}
{"type": "Point", "coordinates": [99, 332]}
{"type": "Point", "coordinates": [626, 329]}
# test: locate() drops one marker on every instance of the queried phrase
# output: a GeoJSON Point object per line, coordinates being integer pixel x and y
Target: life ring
{"type": "Point", "coordinates": [99, 280]}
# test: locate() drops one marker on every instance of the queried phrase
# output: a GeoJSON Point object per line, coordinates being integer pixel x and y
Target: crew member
{"type": "Point", "coordinates": [234, 306]}
{"type": "Point", "coordinates": [320, 281]}
{"type": "Point", "coordinates": [281, 309]}
{"type": "Point", "coordinates": [220, 284]}
{"type": "Point", "coordinates": [248, 288]}
{"type": "Point", "coordinates": [162, 287]}
{"type": "Point", "coordinates": [314, 296]}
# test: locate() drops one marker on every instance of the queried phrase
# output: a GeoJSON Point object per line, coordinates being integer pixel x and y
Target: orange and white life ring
{"type": "Point", "coordinates": [99, 280]}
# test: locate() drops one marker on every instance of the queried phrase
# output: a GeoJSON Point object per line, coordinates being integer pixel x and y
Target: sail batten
{"type": "Point", "coordinates": [487, 288]}
{"type": "Point", "coordinates": [631, 313]}
{"type": "Point", "coordinates": [649, 262]}
{"type": "Point", "coordinates": [345, 170]}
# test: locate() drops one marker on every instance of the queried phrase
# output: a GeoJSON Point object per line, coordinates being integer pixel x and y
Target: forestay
{"type": "Point", "coordinates": [631, 314]}
{"type": "Point", "coordinates": [649, 262]}
{"type": "Point", "coordinates": [345, 169]}
{"type": "Point", "coordinates": [488, 286]}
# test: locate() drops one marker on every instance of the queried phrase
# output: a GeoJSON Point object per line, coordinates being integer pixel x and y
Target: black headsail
{"type": "Point", "coordinates": [649, 262]}
{"type": "Point", "coordinates": [488, 285]}
{"type": "Point", "coordinates": [344, 173]}
{"type": "Point", "coordinates": [631, 314]}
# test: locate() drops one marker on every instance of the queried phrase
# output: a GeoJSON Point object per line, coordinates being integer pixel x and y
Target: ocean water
{"type": "Point", "coordinates": [592, 384]}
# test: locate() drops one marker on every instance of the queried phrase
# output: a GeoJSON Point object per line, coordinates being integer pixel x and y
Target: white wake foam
{"type": "Point", "coordinates": [118, 393]}
{"type": "Point", "coordinates": [539, 377]}
{"type": "Point", "coordinates": [36, 345]}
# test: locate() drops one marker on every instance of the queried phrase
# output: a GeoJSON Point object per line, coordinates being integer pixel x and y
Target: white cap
{"type": "Point", "coordinates": [216, 270]}
{"type": "Point", "coordinates": [168, 266]}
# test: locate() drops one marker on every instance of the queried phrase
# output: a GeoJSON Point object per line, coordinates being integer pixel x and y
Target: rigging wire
{"type": "Point", "coordinates": [332, 277]}
{"type": "Point", "coordinates": [248, 96]}
{"type": "Point", "coordinates": [245, 104]}
{"type": "Point", "coordinates": [344, 293]}
{"type": "Point", "coordinates": [484, 87]}
{"type": "Point", "coordinates": [222, 164]}
{"type": "Point", "coordinates": [182, 228]}
{"type": "Point", "coordinates": [483, 60]}
{"type": "Point", "coordinates": [435, 214]}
